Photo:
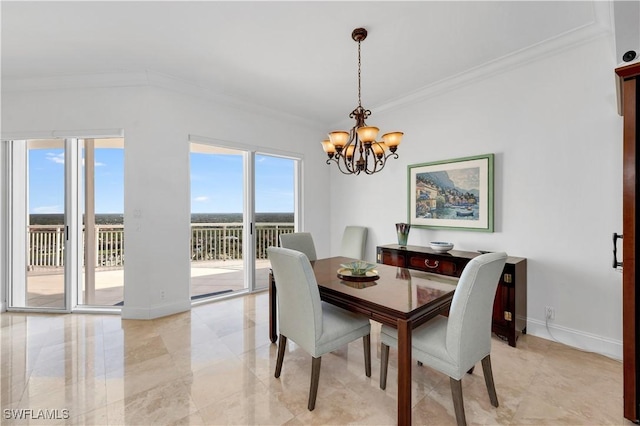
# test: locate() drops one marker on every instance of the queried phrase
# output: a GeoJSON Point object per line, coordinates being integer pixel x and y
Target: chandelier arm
{"type": "Point", "coordinates": [344, 163]}
{"type": "Point", "coordinates": [336, 159]}
{"type": "Point", "coordinates": [349, 169]}
{"type": "Point", "coordinates": [378, 162]}
{"type": "Point", "coordinates": [391, 154]}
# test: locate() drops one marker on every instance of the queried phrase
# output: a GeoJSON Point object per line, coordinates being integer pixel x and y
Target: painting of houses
{"type": "Point", "coordinates": [455, 193]}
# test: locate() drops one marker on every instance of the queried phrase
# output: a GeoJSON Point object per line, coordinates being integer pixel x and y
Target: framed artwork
{"type": "Point", "coordinates": [452, 194]}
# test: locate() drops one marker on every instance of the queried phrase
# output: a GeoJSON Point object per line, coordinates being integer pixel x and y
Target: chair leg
{"type": "Point", "coordinates": [384, 364]}
{"type": "Point", "coordinates": [488, 379]}
{"type": "Point", "coordinates": [315, 379]}
{"type": "Point", "coordinates": [282, 343]}
{"type": "Point", "coordinates": [367, 354]}
{"type": "Point", "coordinates": [458, 402]}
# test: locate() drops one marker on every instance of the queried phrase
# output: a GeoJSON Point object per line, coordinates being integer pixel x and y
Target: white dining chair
{"type": "Point", "coordinates": [300, 241]}
{"type": "Point", "coordinates": [454, 344]}
{"type": "Point", "coordinates": [315, 326]}
{"type": "Point", "coordinates": [354, 240]}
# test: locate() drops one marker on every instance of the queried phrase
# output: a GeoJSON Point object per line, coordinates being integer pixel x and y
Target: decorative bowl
{"type": "Point", "coordinates": [359, 267]}
{"type": "Point", "coordinates": [440, 246]}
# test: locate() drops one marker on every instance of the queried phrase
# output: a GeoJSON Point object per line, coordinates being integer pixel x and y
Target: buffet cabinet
{"type": "Point", "coordinates": [510, 305]}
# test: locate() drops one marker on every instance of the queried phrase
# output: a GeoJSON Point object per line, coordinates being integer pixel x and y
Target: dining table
{"type": "Point", "coordinates": [398, 297]}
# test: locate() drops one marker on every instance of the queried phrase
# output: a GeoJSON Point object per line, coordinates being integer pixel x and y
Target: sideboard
{"type": "Point", "coordinates": [510, 305]}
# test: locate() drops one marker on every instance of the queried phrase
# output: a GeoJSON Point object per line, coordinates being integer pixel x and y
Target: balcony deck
{"type": "Point", "coordinates": [216, 262]}
{"type": "Point", "coordinates": [208, 278]}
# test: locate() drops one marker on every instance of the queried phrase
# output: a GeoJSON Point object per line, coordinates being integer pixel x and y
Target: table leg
{"type": "Point", "coordinates": [404, 372]}
{"type": "Point", "coordinates": [273, 335]}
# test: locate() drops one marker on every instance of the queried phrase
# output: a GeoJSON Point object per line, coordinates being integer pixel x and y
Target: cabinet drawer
{"type": "Point", "coordinates": [437, 265]}
{"type": "Point", "coordinates": [392, 258]}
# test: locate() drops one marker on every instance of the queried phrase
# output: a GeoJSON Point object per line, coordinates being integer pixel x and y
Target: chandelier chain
{"type": "Point", "coordinates": [359, 88]}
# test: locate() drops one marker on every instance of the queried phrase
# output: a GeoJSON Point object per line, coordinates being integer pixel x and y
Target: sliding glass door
{"type": "Point", "coordinates": [217, 221]}
{"type": "Point", "coordinates": [275, 201]}
{"type": "Point", "coordinates": [241, 201]}
{"type": "Point", "coordinates": [63, 254]}
{"type": "Point", "coordinates": [42, 233]}
{"type": "Point", "coordinates": [102, 208]}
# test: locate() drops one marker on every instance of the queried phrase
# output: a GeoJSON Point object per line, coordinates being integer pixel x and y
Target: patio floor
{"type": "Point", "coordinates": [208, 278]}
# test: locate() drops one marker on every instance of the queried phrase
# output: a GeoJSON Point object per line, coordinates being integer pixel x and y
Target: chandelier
{"type": "Point", "coordinates": [357, 150]}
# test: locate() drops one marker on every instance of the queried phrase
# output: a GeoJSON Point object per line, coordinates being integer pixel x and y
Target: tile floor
{"type": "Point", "coordinates": [215, 364]}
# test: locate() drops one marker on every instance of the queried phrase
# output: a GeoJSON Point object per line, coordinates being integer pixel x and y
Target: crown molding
{"type": "Point", "coordinates": [146, 78]}
{"type": "Point", "coordinates": [62, 134]}
{"type": "Point", "coordinates": [601, 26]}
{"type": "Point", "coordinates": [76, 81]}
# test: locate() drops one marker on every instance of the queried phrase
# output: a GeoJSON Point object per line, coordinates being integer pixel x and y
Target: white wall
{"type": "Point", "coordinates": [557, 138]}
{"type": "Point", "coordinates": [157, 123]}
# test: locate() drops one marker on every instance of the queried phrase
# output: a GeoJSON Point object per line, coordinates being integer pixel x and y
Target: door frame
{"type": "Point", "coordinates": [628, 97]}
{"type": "Point", "coordinates": [250, 152]}
{"type": "Point", "coordinates": [73, 220]}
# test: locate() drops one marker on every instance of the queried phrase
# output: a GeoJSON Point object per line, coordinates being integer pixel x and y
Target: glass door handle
{"type": "Point", "coordinates": [615, 250]}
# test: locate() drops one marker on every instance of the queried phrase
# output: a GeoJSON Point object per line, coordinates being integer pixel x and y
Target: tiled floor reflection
{"type": "Point", "coordinates": [215, 364]}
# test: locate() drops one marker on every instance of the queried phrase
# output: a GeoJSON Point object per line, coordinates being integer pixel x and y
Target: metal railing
{"type": "Point", "coordinates": [209, 241]}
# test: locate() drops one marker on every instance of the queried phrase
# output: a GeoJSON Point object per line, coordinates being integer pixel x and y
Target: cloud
{"type": "Point", "coordinates": [59, 159]}
{"type": "Point", "coordinates": [56, 158]}
{"type": "Point", "coordinates": [96, 163]}
{"type": "Point", "coordinates": [201, 199]}
{"type": "Point", "coordinates": [48, 209]}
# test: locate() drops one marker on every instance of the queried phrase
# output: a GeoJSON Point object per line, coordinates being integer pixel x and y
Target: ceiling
{"type": "Point", "coordinates": [293, 57]}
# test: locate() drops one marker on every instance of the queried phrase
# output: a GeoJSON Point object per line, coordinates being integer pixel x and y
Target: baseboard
{"type": "Point", "coordinates": [129, 312]}
{"type": "Point", "coordinates": [576, 339]}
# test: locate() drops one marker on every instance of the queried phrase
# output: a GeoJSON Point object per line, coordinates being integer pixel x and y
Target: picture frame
{"type": "Point", "coordinates": [452, 194]}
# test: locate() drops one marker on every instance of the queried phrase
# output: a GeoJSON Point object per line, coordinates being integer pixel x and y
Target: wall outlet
{"type": "Point", "coordinates": [162, 295]}
{"type": "Point", "coordinates": [549, 313]}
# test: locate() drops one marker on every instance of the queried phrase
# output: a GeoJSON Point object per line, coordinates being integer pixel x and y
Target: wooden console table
{"type": "Point", "coordinates": [510, 305]}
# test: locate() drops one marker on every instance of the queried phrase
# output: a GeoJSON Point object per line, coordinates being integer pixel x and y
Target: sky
{"type": "Point", "coordinates": [216, 182]}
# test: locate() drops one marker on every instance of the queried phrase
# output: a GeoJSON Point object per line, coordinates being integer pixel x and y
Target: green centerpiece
{"type": "Point", "coordinates": [359, 267]}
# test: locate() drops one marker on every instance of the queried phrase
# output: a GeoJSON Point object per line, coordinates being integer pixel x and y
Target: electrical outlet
{"type": "Point", "coordinates": [549, 313]}
{"type": "Point", "coordinates": [162, 295]}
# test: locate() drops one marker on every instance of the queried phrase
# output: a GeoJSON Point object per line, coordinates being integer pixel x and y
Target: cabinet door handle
{"type": "Point", "coordinates": [615, 250]}
{"type": "Point", "coordinates": [435, 264]}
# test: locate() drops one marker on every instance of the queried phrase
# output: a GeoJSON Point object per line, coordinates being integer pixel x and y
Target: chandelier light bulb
{"type": "Point", "coordinates": [328, 148]}
{"type": "Point", "coordinates": [378, 148]}
{"type": "Point", "coordinates": [339, 139]}
{"type": "Point", "coordinates": [368, 134]}
{"type": "Point", "coordinates": [392, 140]}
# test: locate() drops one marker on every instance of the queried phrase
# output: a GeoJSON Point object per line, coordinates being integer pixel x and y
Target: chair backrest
{"type": "Point", "coordinates": [469, 324]}
{"type": "Point", "coordinates": [299, 241]}
{"type": "Point", "coordinates": [299, 305]}
{"type": "Point", "coordinates": [354, 240]}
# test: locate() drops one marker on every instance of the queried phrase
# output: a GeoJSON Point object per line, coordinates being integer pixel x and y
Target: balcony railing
{"type": "Point", "coordinates": [209, 241]}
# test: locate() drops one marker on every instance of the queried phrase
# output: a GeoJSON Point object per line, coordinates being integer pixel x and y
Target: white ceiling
{"type": "Point", "coordinates": [293, 57]}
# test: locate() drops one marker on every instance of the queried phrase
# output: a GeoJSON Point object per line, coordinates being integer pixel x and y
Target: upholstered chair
{"type": "Point", "coordinates": [300, 241]}
{"type": "Point", "coordinates": [454, 344]}
{"type": "Point", "coordinates": [354, 240]}
{"type": "Point", "coordinates": [315, 326]}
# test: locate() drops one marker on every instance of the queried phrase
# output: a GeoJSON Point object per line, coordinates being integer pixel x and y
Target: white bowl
{"type": "Point", "coordinates": [440, 246]}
